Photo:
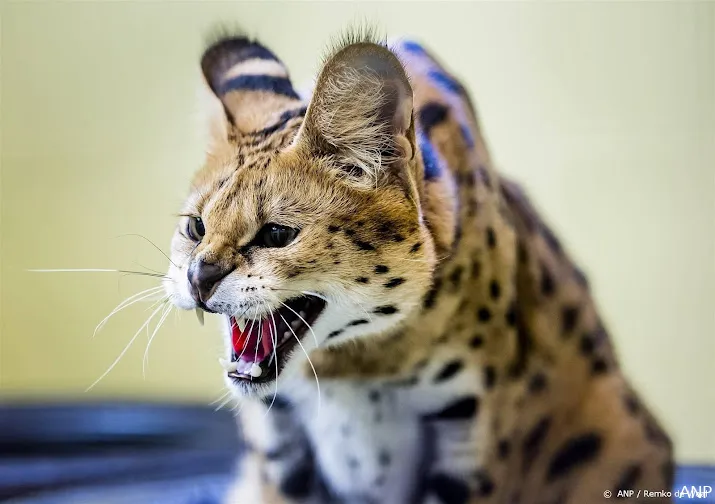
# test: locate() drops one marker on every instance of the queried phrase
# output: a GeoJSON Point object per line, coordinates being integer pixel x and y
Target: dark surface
{"type": "Point", "coordinates": [142, 454]}
{"type": "Point", "coordinates": [56, 448]}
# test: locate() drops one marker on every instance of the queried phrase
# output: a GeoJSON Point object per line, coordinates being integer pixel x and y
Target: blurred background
{"type": "Point", "coordinates": [605, 111]}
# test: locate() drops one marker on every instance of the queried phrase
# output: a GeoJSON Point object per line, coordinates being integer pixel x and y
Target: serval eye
{"type": "Point", "coordinates": [195, 228]}
{"type": "Point", "coordinates": [275, 236]}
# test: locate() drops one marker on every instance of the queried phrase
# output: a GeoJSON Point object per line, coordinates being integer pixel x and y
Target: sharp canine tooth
{"type": "Point", "coordinates": [200, 315]}
{"type": "Point", "coordinates": [256, 370]}
{"type": "Point", "coordinates": [242, 323]}
{"type": "Point", "coordinates": [228, 365]}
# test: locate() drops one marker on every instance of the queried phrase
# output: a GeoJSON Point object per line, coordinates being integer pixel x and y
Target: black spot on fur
{"type": "Point", "coordinates": [490, 377]}
{"type": "Point", "coordinates": [350, 232]}
{"type": "Point", "coordinates": [280, 403]}
{"type": "Point", "coordinates": [551, 239]}
{"type": "Point", "coordinates": [336, 262]}
{"type": "Point", "coordinates": [484, 176]}
{"type": "Point", "coordinates": [298, 483]}
{"type": "Point", "coordinates": [574, 453]}
{"type": "Point", "coordinates": [655, 434]}
{"type": "Point", "coordinates": [491, 238]}
{"type": "Point", "coordinates": [548, 287]}
{"type": "Point", "coordinates": [510, 315]}
{"type": "Point", "coordinates": [537, 383]}
{"type": "Point", "coordinates": [333, 229]}
{"type": "Point", "coordinates": [358, 322]}
{"type": "Point", "coordinates": [381, 268]}
{"type": "Point", "coordinates": [569, 318]}
{"type": "Point", "coordinates": [631, 404]}
{"type": "Point", "coordinates": [432, 114]}
{"type": "Point", "coordinates": [524, 345]}
{"type": "Point", "coordinates": [503, 449]}
{"type": "Point", "coordinates": [448, 371]}
{"type": "Point", "coordinates": [494, 289]}
{"type": "Point", "coordinates": [362, 280]}
{"type": "Point", "coordinates": [363, 245]}
{"type": "Point", "coordinates": [476, 269]}
{"type": "Point", "coordinates": [397, 237]}
{"type": "Point", "coordinates": [628, 479]}
{"type": "Point", "coordinates": [335, 333]}
{"type": "Point", "coordinates": [477, 341]}
{"type": "Point", "coordinates": [456, 277]}
{"type": "Point", "coordinates": [465, 408]}
{"type": "Point", "coordinates": [485, 484]}
{"type": "Point", "coordinates": [431, 296]}
{"type": "Point", "coordinates": [580, 278]}
{"type": "Point", "coordinates": [415, 247]}
{"type": "Point", "coordinates": [385, 310]}
{"type": "Point", "coordinates": [533, 441]}
{"type": "Point", "coordinates": [483, 314]}
{"type": "Point", "coordinates": [394, 282]}
{"type": "Point", "coordinates": [599, 366]}
{"type": "Point", "coordinates": [448, 489]}
{"type": "Point", "coordinates": [587, 344]}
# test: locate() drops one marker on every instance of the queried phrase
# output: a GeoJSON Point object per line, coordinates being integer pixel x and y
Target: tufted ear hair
{"type": "Point", "coordinates": [360, 114]}
{"type": "Point", "coordinates": [248, 87]}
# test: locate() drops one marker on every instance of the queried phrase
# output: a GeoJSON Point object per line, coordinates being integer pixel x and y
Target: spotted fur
{"type": "Point", "coordinates": [461, 358]}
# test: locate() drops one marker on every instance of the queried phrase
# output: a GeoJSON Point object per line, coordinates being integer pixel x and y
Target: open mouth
{"type": "Point", "coordinates": [259, 347]}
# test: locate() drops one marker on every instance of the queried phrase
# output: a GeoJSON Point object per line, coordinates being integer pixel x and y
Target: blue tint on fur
{"type": "Point", "coordinates": [445, 81]}
{"type": "Point", "coordinates": [413, 47]}
{"type": "Point", "coordinates": [467, 135]}
{"type": "Point", "coordinates": [433, 169]}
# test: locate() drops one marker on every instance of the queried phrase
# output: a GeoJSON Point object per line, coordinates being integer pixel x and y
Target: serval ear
{"type": "Point", "coordinates": [360, 115]}
{"type": "Point", "coordinates": [248, 88]}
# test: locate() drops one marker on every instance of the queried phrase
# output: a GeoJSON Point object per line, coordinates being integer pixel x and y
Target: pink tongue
{"type": "Point", "coordinates": [246, 342]}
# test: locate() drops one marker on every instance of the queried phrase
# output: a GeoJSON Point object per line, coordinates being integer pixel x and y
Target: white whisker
{"type": "Point", "coordinates": [315, 338]}
{"type": "Point", "coordinates": [145, 360]}
{"type": "Point", "coordinates": [140, 296]}
{"type": "Point", "coordinates": [126, 348]}
{"type": "Point", "coordinates": [317, 382]}
{"type": "Point", "coordinates": [220, 398]}
{"type": "Point", "coordinates": [75, 270]}
{"type": "Point", "coordinates": [275, 355]}
{"type": "Point", "coordinates": [319, 296]}
{"type": "Point", "coordinates": [223, 403]}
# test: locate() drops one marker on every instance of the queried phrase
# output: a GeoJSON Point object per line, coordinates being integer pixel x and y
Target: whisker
{"type": "Point", "coordinates": [149, 269]}
{"type": "Point", "coordinates": [126, 304]}
{"type": "Point", "coordinates": [220, 398]}
{"type": "Point", "coordinates": [96, 270]}
{"type": "Point", "coordinates": [315, 338]}
{"type": "Point", "coordinates": [258, 343]}
{"type": "Point", "coordinates": [152, 244]}
{"type": "Point", "coordinates": [224, 403]}
{"type": "Point", "coordinates": [275, 355]}
{"type": "Point", "coordinates": [245, 343]}
{"type": "Point", "coordinates": [317, 382]}
{"type": "Point", "coordinates": [164, 315]}
{"type": "Point", "coordinates": [126, 348]}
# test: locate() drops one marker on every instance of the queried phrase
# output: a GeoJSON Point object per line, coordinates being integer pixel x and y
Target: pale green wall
{"type": "Point", "coordinates": [606, 111]}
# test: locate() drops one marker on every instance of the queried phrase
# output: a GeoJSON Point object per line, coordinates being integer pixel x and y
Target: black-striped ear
{"type": "Point", "coordinates": [250, 82]}
{"type": "Point", "coordinates": [361, 111]}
